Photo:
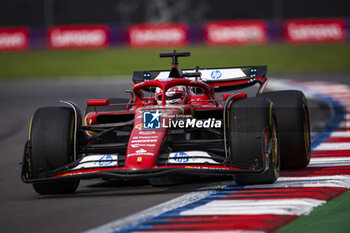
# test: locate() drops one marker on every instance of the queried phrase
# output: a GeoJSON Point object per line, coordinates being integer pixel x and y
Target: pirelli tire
{"type": "Point", "coordinates": [51, 139]}
{"type": "Point", "coordinates": [253, 137]}
{"type": "Point", "coordinates": [294, 127]}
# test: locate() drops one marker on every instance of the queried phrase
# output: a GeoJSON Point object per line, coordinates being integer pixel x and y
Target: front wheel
{"type": "Point", "coordinates": [51, 139]}
{"type": "Point", "coordinates": [253, 137]}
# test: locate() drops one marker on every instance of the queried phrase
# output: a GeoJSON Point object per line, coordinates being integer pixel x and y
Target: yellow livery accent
{"type": "Point", "coordinates": [30, 128]}
{"type": "Point", "coordinates": [72, 130]}
{"type": "Point", "coordinates": [271, 105]}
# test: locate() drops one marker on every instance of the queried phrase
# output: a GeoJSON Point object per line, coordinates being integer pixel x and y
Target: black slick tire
{"type": "Point", "coordinates": [253, 138]}
{"type": "Point", "coordinates": [294, 127]}
{"type": "Point", "coordinates": [51, 139]}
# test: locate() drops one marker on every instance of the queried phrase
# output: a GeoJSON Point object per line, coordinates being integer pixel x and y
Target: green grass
{"type": "Point", "coordinates": [332, 217]}
{"type": "Point", "coordinates": [118, 61]}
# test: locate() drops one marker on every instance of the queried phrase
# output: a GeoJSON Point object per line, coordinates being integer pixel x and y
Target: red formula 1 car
{"type": "Point", "coordinates": [173, 124]}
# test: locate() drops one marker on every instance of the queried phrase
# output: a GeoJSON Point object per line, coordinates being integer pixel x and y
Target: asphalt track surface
{"type": "Point", "coordinates": [96, 202]}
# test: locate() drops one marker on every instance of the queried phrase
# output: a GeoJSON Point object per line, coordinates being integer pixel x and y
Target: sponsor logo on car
{"type": "Point", "coordinates": [105, 160]}
{"type": "Point", "coordinates": [97, 160]}
{"type": "Point", "coordinates": [141, 151]}
{"type": "Point", "coordinates": [193, 157]}
{"type": "Point", "coordinates": [144, 137]}
{"type": "Point", "coordinates": [193, 123]}
{"type": "Point", "coordinates": [139, 127]}
{"type": "Point", "coordinates": [216, 74]}
{"type": "Point", "coordinates": [147, 132]}
{"type": "Point", "coordinates": [142, 145]}
{"type": "Point", "coordinates": [181, 157]}
{"type": "Point", "coordinates": [151, 119]}
{"type": "Point", "coordinates": [144, 141]}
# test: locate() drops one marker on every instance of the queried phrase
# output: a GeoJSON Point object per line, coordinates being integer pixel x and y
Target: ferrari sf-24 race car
{"type": "Point", "coordinates": [174, 124]}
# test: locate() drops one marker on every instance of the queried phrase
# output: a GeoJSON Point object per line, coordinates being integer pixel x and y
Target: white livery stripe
{"type": "Point", "coordinates": [333, 146]}
{"type": "Point", "coordinates": [102, 160]}
{"type": "Point", "coordinates": [255, 207]}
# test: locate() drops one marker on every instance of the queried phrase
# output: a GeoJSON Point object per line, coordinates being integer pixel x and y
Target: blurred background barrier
{"type": "Point", "coordinates": [86, 36]}
{"type": "Point", "coordinates": [168, 35]}
{"type": "Point", "coordinates": [14, 39]}
{"type": "Point", "coordinates": [315, 30]}
{"type": "Point", "coordinates": [232, 32]}
{"type": "Point", "coordinates": [67, 24]}
{"type": "Point", "coordinates": [236, 32]}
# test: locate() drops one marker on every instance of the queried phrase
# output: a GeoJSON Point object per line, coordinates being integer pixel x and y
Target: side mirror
{"type": "Point", "coordinates": [98, 102]}
{"type": "Point", "coordinates": [225, 96]}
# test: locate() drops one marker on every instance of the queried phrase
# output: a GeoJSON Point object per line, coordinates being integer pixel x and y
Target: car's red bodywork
{"type": "Point", "coordinates": [144, 147]}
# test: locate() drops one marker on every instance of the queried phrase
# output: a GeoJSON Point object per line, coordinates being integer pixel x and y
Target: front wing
{"type": "Point", "coordinates": [112, 166]}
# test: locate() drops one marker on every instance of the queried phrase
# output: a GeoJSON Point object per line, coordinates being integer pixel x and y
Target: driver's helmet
{"type": "Point", "coordinates": [174, 95]}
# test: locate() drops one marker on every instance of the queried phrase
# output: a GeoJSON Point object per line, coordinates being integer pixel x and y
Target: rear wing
{"type": "Point", "coordinates": [208, 74]}
{"type": "Point", "coordinates": [223, 78]}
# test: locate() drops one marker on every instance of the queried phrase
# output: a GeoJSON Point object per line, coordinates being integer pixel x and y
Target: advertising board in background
{"type": "Point", "coordinates": [315, 30]}
{"type": "Point", "coordinates": [236, 32]}
{"type": "Point", "coordinates": [14, 39]}
{"type": "Point", "coordinates": [63, 37]}
{"type": "Point", "coordinates": [165, 35]}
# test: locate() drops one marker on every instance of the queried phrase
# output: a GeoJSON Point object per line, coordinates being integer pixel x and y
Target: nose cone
{"type": "Point", "coordinates": [147, 137]}
{"type": "Point", "coordinates": [146, 140]}
{"type": "Point", "coordinates": [144, 147]}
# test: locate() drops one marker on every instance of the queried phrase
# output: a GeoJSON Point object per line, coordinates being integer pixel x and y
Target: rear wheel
{"type": "Point", "coordinates": [51, 138]}
{"type": "Point", "coordinates": [253, 139]}
{"type": "Point", "coordinates": [294, 127]}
